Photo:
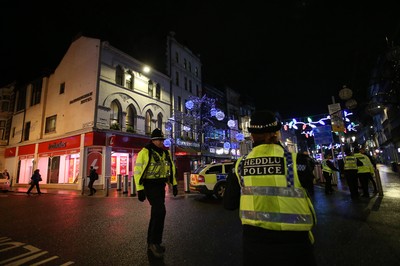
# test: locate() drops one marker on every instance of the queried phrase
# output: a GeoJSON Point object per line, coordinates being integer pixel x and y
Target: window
{"type": "Point", "coordinates": [177, 57]}
{"type": "Point", "coordinates": [62, 88]}
{"type": "Point", "coordinates": [185, 83]}
{"type": "Point", "coordinates": [197, 90]}
{"type": "Point", "coordinates": [129, 79]}
{"type": "Point", "coordinates": [27, 130]}
{"type": "Point", "coordinates": [119, 75]}
{"type": "Point", "coordinates": [130, 120]}
{"type": "Point", "coordinates": [21, 99]}
{"type": "Point", "coordinates": [5, 105]}
{"type": "Point", "coordinates": [159, 120]}
{"type": "Point", "coordinates": [115, 113]}
{"type": "Point", "coordinates": [158, 91]}
{"type": "Point", "coordinates": [184, 63]}
{"type": "Point", "coordinates": [196, 71]}
{"type": "Point", "coordinates": [177, 78]}
{"type": "Point", "coordinates": [190, 86]}
{"type": "Point", "coordinates": [150, 91]}
{"type": "Point", "coordinates": [36, 92]}
{"type": "Point", "coordinates": [179, 103]}
{"type": "Point", "coordinates": [51, 124]}
{"type": "Point", "coordinates": [190, 67]}
{"type": "Point", "coordinates": [147, 122]}
{"type": "Point", "coordinates": [2, 129]}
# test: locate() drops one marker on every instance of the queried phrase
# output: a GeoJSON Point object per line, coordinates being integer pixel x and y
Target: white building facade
{"type": "Point", "coordinates": [98, 108]}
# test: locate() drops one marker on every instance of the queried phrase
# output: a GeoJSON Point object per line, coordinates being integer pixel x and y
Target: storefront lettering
{"type": "Point", "coordinates": [57, 145]}
{"type": "Point", "coordinates": [80, 98]}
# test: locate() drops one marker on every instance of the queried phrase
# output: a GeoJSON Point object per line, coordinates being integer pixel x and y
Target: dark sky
{"type": "Point", "coordinates": [291, 56]}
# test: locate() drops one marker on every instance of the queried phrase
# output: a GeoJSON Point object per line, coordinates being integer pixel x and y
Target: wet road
{"type": "Point", "coordinates": [67, 228]}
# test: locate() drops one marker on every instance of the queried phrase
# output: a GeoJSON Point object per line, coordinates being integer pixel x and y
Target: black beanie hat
{"type": "Point", "coordinates": [263, 122]}
{"type": "Point", "coordinates": [157, 134]}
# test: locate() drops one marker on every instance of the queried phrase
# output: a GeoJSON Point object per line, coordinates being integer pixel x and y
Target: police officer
{"type": "Point", "coordinates": [350, 173]}
{"type": "Point", "coordinates": [275, 211]}
{"type": "Point", "coordinates": [328, 168]}
{"type": "Point", "coordinates": [153, 170]}
{"type": "Point", "coordinates": [365, 171]}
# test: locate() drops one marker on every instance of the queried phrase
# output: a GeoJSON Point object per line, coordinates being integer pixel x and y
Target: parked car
{"type": "Point", "coordinates": [210, 179]}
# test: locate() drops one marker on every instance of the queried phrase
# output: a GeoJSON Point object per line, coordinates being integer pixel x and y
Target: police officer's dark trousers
{"type": "Point", "coordinates": [328, 182]}
{"type": "Point", "coordinates": [352, 182]}
{"type": "Point", "coordinates": [155, 193]}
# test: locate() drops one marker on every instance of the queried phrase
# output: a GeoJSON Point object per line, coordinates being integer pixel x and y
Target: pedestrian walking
{"type": "Point", "coordinates": [154, 169]}
{"type": "Point", "coordinates": [365, 171]}
{"type": "Point", "coordinates": [305, 170]}
{"type": "Point", "coordinates": [276, 213]}
{"type": "Point", "coordinates": [93, 176]}
{"type": "Point", "coordinates": [328, 169]}
{"type": "Point", "coordinates": [35, 179]}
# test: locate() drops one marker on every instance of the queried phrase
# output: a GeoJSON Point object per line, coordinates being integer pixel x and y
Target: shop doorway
{"type": "Point", "coordinates": [54, 168]}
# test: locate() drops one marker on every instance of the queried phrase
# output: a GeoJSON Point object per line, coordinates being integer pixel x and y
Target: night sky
{"type": "Point", "coordinates": [290, 56]}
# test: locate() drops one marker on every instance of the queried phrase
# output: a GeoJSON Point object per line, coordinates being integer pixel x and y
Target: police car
{"type": "Point", "coordinates": [210, 179]}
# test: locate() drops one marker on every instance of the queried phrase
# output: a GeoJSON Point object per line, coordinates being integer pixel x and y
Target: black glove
{"type": "Point", "coordinates": [175, 190]}
{"type": "Point", "coordinates": [141, 195]}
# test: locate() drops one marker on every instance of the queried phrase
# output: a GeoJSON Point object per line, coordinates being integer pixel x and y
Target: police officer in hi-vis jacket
{"type": "Point", "coordinates": [154, 169]}
{"type": "Point", "coordinates": [275, 211]}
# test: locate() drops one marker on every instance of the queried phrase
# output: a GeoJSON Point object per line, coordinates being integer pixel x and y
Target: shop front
{"type": "Point", "coordinates": [65, 162]}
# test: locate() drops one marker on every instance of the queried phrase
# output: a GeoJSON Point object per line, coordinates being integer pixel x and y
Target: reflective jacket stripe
{"type": "Point", "coordinates": [278, 217]}
{"type": "Point", "coordinates": [274, 191]}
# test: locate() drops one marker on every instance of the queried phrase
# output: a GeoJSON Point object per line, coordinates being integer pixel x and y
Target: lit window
{"type": "Point", "coordinates": [51, 124]}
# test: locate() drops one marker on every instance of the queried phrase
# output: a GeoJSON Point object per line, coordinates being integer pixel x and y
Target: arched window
{"type": "Point", "coordinates": [119, 75]}
{"type": "Point", "coordinates": [115, 114]}
{"type": "Point", "coordinates": [159, 120]}
{"type": "Point", "coordinates": [130, 120]}
{"type": "Point", "coordinates": [149, 117]}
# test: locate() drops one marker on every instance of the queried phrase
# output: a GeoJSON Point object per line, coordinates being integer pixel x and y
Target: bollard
{"type": "Point", "coordinates": [378, 182]}
{"type": "Point", "coordinates": [125, 185]}
{"type": "Point", "coordinates": [119, 180]}
{"type": "Point", "coordinates": [83, 185]}
{"type": "Point", "coordinates": [186, 179]}
{"type": "Point", "coordinates": [133, 187]}
{"type": "Point", "coordinates": [107, 185]}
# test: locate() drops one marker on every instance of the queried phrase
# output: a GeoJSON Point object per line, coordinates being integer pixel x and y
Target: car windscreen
{"type": "Point", "coordinates": [199, 169]}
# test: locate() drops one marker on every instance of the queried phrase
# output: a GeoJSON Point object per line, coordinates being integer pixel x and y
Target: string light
{"type": "Point", "coordinates": [308, 126]}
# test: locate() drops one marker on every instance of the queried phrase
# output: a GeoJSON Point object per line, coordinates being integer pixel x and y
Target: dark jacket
{"type": "Point", "coordinates": [36, 177]}
{"type": "Point", "coordinates": [93, 175]}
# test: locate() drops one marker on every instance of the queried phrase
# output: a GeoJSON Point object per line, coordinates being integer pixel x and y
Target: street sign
{"type": "Point", "coordinates": [335, 112]}
{"type": "Point", "coordinates": [323, 135]}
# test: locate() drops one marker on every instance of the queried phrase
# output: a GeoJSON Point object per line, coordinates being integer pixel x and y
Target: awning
{"type": "Point", "coordinates": [182, 151]}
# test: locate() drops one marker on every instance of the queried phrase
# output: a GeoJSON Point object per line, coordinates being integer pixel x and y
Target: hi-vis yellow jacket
{"type": "Point", "coordinates": [272, 196]}
{"type": "Point", "coordinates": [367, 166]}
{"type": "Point", "coordinates": [325, 167]}
{"type": "Point", "coordinates": [350, 162]}
{"type": "Point", "coordinates": [151, 165]}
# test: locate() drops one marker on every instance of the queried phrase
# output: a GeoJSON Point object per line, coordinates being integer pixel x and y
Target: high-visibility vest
{"type": "Point", "coordinates": [325, 167]}
{"type": "Point", "coordinates": [153, 166]}
{"type": "Point", "coordinates": [367, 166]}
{"type": "Point", "coordinates": [272, 196]}
{"type": "Point", "coordinates": [350, 162]}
